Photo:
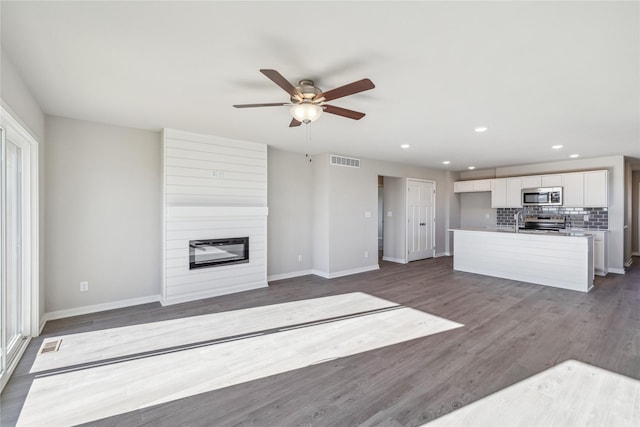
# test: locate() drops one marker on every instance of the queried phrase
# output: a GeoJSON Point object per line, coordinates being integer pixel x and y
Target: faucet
{"type": "Point", "coordinates": [519, 218]}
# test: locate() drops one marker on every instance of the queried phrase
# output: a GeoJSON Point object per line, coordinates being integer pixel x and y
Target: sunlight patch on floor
{"type": "Point", "coordinates": [99, 392]}
{"type": "Point", "coordinates": [118, 342]}
{"type": "Point", "coordinates": [569, 394]}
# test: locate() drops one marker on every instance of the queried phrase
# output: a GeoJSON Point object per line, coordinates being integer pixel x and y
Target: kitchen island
{"type": "Point", "coordinates": [551, 259]}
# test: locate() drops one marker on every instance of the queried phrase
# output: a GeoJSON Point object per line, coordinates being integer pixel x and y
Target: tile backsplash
{"type": "Point", "coordinates": [598, 218]}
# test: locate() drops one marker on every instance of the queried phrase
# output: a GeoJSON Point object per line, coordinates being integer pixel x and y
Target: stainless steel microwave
{"type": "Point", "coordinates": [542, 196]}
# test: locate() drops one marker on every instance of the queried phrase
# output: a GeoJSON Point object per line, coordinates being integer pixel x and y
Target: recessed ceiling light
{"type": "Point", "coordinates": [557, 147]}
{"type": "Point", "coordinates": [471, 167]}
{"type": "Point", "coordinates": [405, 146]}
{"type": "Point", "coordinates": [573, 156]}
{"type": "Point", "coordinates": [446, 162]}
{"type": "Point", "coordinates": [480, 128]}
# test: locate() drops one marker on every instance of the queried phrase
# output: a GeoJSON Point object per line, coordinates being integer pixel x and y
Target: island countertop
{"type": "Point", "coordinates": [563, 260]}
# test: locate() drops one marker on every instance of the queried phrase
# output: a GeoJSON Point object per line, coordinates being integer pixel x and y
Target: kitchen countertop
{"type": "Point", "coordinates": [562, 233]}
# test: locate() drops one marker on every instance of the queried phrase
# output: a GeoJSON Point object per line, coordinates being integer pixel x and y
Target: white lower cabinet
{"type": "Point", "coordinates": [600, 252]}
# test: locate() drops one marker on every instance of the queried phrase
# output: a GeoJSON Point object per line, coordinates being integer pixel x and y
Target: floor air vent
{"type": "Point", "coordinates": [50, 346]}
{"type": "Point", "coordinates": [344, 161]}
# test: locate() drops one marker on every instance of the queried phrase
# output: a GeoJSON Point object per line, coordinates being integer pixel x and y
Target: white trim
{"type": "Point", "coordinates": [616, 270]}
{"type": "Point", "coordinates": [441, 254]}
{"type": "Point", "coordinates": [6, 376]}
{"type": "Point", "coordinates": [629, 262]}
{"type": "Point", "coordinates": [635, 253]}
{"type": "Point", "coordinates": [390, 259]}
{"type": "Point", "coordinates": [293, 274]}
{"type": "Point", "coordinates": [211, 293]}
{"type": "Point", "coordinates": [342, 273]}
{"type": "Point", "coordinates": [78, 311]}
{"type": "Point", "coordinates": [19, 134]}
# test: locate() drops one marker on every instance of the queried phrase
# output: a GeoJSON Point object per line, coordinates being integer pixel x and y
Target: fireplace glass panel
{"type": "Point", "coordinates": [214, 252]}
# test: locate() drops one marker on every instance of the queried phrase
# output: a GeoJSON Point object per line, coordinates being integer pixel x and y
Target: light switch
{"type": "Point", "coordinates": [367, 214]}
{"type": "Point", "coordinates": [389, 213]}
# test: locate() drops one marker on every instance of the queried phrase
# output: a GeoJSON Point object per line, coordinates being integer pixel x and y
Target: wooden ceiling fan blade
{"type": "Point", "coordinates": [350, 89]}
{"type": "Point", "coordinates": [294, 123]}
{"type": "Point", "coordinates": [278, 79]}
{"type": "Point", "coordinates": [273, 104]}
{"type": "Point", "coordinates": [355, 115]}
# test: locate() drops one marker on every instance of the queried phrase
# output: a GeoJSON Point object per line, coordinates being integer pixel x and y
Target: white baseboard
{"type": "Point", "coordinates": [342, 273]}
{"type": "Point", "coordinates": [629, 262]}
{"type": "Point", "coordinates": [212, 293]}
{"type": "Point", "coordinates": [398, 260]}
{"type": "Point", "coordinates": [616, 270]}
{"type": "Point", "coordinates": [439, 254]}
{"type": "Point", "coordinates": [635, 253]}
{"type": "Point", "coordinates": [78, 311]}
{"type": "Point", "coordinates": [275, 277]}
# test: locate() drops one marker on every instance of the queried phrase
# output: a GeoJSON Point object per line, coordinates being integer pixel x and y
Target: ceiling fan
{"type": "Point", "coordinates": [308, 101]}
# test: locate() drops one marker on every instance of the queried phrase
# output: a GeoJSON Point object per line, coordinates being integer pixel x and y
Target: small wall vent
{"type": "Point", "coordinates": [344, 161]}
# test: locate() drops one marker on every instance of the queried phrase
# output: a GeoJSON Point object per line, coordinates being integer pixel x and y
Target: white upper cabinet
{"type": "Point", "coordinates": [472, 186]}
{"type": "Point", "coordinates": [580, 189]}
{"type": "Point", "coordinates": [585, 189]}
{"type": "Point", "coordinates": [514, 192]}
{"type": "Point", "coordinates": [499, 193]}
{"type": "Point", "coordinates": [573, 192]}
{"type": "Point", "coordinates": [506, 193]}
{"type": "Point", "coordinates": [595, 189]}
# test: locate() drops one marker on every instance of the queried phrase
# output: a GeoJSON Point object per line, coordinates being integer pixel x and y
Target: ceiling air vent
{"type": "Point", "coordinates": [344, 161]}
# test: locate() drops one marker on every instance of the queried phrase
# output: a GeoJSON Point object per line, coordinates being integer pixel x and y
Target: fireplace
{"type": "Point", "coordinates": [217, 252]}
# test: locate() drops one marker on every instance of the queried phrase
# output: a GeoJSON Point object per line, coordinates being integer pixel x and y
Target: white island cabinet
{"type": "Point", "coordinates": [558, 260]}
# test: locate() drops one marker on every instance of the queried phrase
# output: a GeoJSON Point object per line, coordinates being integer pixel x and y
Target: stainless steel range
{"type": "Point", "coordinates": [544, 222]}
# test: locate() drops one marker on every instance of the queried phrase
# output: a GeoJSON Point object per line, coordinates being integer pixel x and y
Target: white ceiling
{"type": "Point", "coordinates": [536, 73]}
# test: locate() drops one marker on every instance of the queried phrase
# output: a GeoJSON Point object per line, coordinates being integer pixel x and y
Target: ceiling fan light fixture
{"type": "Point", "coordinates": [306, 112]}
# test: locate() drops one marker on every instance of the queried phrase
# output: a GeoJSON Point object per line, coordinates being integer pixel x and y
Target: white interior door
{"type": "Point", "coordinates": [421, 201]}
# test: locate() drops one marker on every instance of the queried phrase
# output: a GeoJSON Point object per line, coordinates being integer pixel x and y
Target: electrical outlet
{"type": "Point", "coordinates": [84, 286]}
{"type": "Point", "coordinates": [299, 258]}
{"type": "Point", "coordinates": [366, 254]}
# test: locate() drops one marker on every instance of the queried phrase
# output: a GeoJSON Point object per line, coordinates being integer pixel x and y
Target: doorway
{"type": "Point", "coordinates": [380, 217]}
{"type": "Point", "coordinates": [420, 219]}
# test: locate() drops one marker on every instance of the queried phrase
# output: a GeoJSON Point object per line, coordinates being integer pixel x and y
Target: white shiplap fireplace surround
{"type": "Point", "coordinates": [213, 188]}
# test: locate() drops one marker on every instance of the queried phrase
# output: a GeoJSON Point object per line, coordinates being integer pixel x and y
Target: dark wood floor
{"type": "Point", "coordinates": [512, 331]}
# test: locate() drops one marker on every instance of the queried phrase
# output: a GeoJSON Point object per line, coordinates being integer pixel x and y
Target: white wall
{"type": "Point", "coordinates": [103, 222]}
{"type": "Point", "coordinates": [290, 221]}
{"type": "Point", "coordinates": [18, 100]}
{"type": "Point", "coordinates": [348, 193]}
{"type": "Point", "coordinates": [321, 213]}
{"type": "Point", "coordinates": [476, 210]}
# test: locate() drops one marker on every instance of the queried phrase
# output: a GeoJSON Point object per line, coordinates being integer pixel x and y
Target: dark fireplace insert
{"type": "Point", "coordinates": [217, 252]}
